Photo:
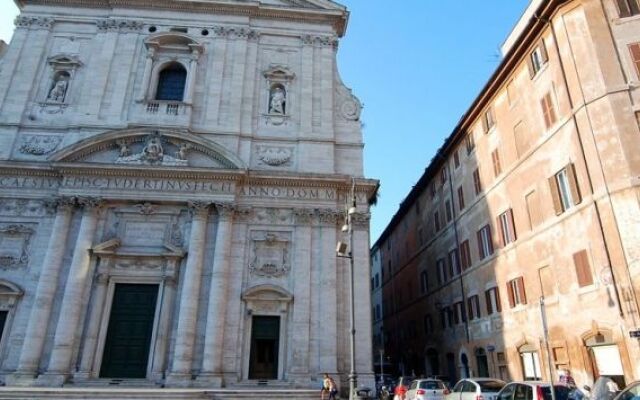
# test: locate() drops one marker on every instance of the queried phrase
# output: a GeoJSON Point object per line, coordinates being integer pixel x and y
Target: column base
{"type": "Point", "coordinates": [81, 376]}
{"type": "Point", "coordinates": [21, 378]}
{"type": "Point", "coordinates": [180, 380]}
{"type": "Point", "coordinates": [52, 379]}
{"type": "Point", "coordinates": [209, 379]}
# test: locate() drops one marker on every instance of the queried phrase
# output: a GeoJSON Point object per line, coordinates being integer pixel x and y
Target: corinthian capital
{"type": "Point", "coordinates": [199, 208]}
{"type": "Point", "coordinates": [59, 204]}
{"type": "Point", "coordinates": [226, 211]}
{"type": "Point", "coordinates": [91, 203]}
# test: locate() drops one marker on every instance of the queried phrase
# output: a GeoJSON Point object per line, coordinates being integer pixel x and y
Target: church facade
{"type": "Point", "coordinates": [173, 179]}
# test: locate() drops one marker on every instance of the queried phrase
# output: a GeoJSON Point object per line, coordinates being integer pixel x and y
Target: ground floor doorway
{"type": "Point", "coordinates": [265, 344]}
{"type": "Point", "coordinates": [128, 341]}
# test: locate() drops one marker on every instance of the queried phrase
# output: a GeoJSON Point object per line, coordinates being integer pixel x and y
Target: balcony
{"type": "Point", "coordinates": [162, 112]}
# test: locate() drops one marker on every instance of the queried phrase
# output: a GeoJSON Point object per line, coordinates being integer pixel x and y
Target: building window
{"type": "Point", "coordinates": [477, 183]}
{"type": "Point", "coordinates": [424, 282]}
{"type": "Point", "coordinates": [523, 140]}
{"type": "Point", "coordinates": [492, 298]}
{"type": "Point", "coordinates": [433, 189]}
{"type": "Point", "coordinates": [473, 307]}
{"type": "Point", "coordinates": [516, 293]}
{"type": "Point", "coordinates": [488, 120]}
{"type": "Point", "coordinates": [459, 315]}
{"type": "Point", "coordinates": [428, 324]}
{"type": "Point", "coordinates": [533, 209]}
{"type": "Point", "coordinates": [485, 244]}
{"type": "Point", "coordinates": [378, 313]}
{"type": "Point", "coordinates": [471, 144]}
{"type": "Point", "coordinates": [461, 198]}
{"type": "Point", "coordinates": [443, 176]}
{"type": "Point", "coordinates": [583, 269]}
{"type": "Point", "coordinates": [537, 58]}
{"type": "Point", "coordinates": [436, 221]}
{"type": "Point", "coordinates": [548, 110]}
{"type": "Point", "coordinates": [628, 8]}
{"type": "Point", "coordinates": [448, 210]}
{"type": "Point", "coordinates": [420, 236]}
{"type": "Point", "coordinates": [530, 365]}
{"type": "Point", "coordinates": [635, 56]}
{"type": "Point", "coordinates": [377, 280]}
{"type": "Point", "coordinates": [497, 168]}
{"type": "Point", "coordinates": [454, 264]}
{"type": "Point", "coordinates": [507, 227]}
{"type": "Point", "coordinates": [465, 255]}
{"type": "Point", "coordinates": [564, 189]}
{"type": "Point", "coordinates": [171, 82]}
{"type": "Point", "coordinates": [442, 271]}
{"type": "Point", "coordinates": [456, 159]}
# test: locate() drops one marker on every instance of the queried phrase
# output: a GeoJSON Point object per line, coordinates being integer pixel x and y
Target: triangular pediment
{"type": "Point", "coordinates": [149, 148]}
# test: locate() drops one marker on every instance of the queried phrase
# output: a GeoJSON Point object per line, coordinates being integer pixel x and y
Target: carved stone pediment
{"type": "Point", "coordinates": [149, 148]}
{"type": "Point", "coordinates": [279, 73]}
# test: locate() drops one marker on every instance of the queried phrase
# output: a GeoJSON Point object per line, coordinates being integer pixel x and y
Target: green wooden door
{"type": "Point", "coordinates": [126, 348]}
{"type": "Point", "coordinates": [265, 342]}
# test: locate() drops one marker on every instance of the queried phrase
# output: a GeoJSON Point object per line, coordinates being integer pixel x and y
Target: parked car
{"type": "Point", "coordinates": [427, 389]}
{"type": "Point", "coordinates": [631, 392]}
{"type": "Point", "coordinates": [476, 389]}
{"type": "Point", "coordinates": [533, 390]}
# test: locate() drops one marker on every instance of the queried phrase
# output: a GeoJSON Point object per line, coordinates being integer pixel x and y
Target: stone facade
{"type": "Point", "coordinates": [533, 196]}
{"type": "Point", "coordinates": [219, 208]}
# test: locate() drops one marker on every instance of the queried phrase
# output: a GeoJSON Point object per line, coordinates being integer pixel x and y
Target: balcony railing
{"type": "Point", "coordinates": [162, 112]}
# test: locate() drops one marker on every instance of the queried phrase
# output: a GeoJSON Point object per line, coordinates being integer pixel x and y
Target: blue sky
{"type": "Point", "coordinates": [416, 65]}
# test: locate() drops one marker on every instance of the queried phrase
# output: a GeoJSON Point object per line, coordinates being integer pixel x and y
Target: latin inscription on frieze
{"type": "Point", "coordinates": [148, 184]}
{"type": "Point", "coordinates": [28, 182]}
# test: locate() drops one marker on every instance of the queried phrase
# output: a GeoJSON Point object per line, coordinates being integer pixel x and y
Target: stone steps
{"type": "Point", "coordinates": [17, 393]}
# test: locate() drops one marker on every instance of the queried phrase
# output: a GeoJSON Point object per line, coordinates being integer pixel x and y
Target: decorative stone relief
{"type": "Point", "coordinates": [139, 264]}
{"type": "Point", "coordinates": [304, 215]}
{"type": "Point", "coordinates": [152, 154]}
{"type": "Point", "coordinates": [236, 32]}
{"type": "Point", "coordinates": [270, 254]}
{"type": "Point", "coordinates": [361, 220]}
{"type": "Point", "coordinates": [39, 145]}
{"type": "Point", "coordinates": [111, 24]}
{"type": "Point", "coordinates": [33, 22]}
{"type": "Point", "coordinates": [320, 40]}
{"type": "Point", "coordinates": [23, 208]}
{"type": "Point", "coordinates": [14, 245]}
{"type": "Point", "coordinates": [272, 216]}
{"type": "Point", "coordinates": [348, 106]}
{"type": "Point", "coordinates": [146, 208]}
{"type": "Point", "coordinates": [274, 156]}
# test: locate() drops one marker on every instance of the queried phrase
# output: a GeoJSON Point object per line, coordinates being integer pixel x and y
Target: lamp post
{"type": "Point", "coordinates": [342, 252]}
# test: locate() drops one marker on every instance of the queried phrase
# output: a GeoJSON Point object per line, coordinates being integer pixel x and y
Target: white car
{"type": "Point", "coordinates": [533, 390]}
{"type": "Point", "coordinates": [427, 389]}
{"type": "Point", "coordinates": [476, 389]}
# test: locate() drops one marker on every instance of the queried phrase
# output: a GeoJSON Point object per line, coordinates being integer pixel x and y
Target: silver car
{"type": "Point", "coordinates": [427, 389]}
{"type": "Point", "coordinates": [476, 389]}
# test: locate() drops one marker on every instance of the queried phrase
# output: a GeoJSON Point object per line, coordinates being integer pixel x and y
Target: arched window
{"type": "Point", "coordinates": [171, 83]}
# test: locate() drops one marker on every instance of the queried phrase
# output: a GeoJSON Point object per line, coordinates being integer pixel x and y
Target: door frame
{"type": "Point", "coordinates": [106, 315]}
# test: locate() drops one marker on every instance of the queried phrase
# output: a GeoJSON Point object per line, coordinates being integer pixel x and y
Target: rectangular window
{"type": "Point", "coordinates": [448, 210]}
{"type": "Point", "coordinates": [628, 8]}
{"type": "Point", "coordinates": [436, 221]}
{"type": "Point", "coordinates": [471, 144]}
{"type": "Point", "coordinates": [473, 307]}
{"type": "Point", "coordinates": [523, 140]}
{"type": "Point", "coordinates": [516, 293]}
{"type": "Point", "coordinates": [583, 269]}
{"type": "Point", "coordinates": [377, 283]}
{"type": "Point", "coordinates": [459, 315]}
{"type": "Point", "coordinates": [492, 299]}
{"type": "Point", "coordinates": [477, 183]}
{"type": "Point", "coordinates": [424, 283]}
{"type": "Point", "coordinates": [461, 198]}
{"type": "Point", "coordinates": [497, 168]}
{"type": "Point", "coordinates": [465, 255]}
{"type": "Point", "coordinates": [442, 271]}
{"type": "Point", "coordinates": [564, 189]}
{"type": "Point", "coordinates": [548, 110]}
{"type": "Point", "coordinates": [533, 209]}
{"type": "Point", "coordinates": [443, 176]}
{"type": "Point", "coordinates": [456, 159]}
{"type": "Point", "coordinates": [454, 264]}
{"type": "Point", "coordinates": [443, 318]}
{"type": "Point", "coordinates": [488, 120]}
{"type": "Point", "coordinates": [634, 49]}
{"type": "Point", "coordinates": [485, 244]}
{"type": "Point", "coordinates": [428, 324]}
{"type": "Point", "coordinates": [432, 188]}
{"type": "Point", "coordinates": [537, 58]}
{"type": "Point", "coordinates": [507, 227]}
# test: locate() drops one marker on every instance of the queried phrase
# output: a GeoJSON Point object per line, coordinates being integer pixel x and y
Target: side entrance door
{"type": "Point", "coordinates": [126, 349]}
{"type": "Point", "coordinates": [265, 343]}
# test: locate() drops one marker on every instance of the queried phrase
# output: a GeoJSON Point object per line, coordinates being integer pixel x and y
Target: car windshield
{"type": "Point", "coordinates": [431, 385]}
{"type": "Point", "coordinates": [491, 386]}
{"type": "Point", "coordinates": [562, 392]}
{"type": "Point", "coordinates": [630, 393]}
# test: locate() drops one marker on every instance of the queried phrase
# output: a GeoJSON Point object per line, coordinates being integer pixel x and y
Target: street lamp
{"type": "Point", "coordinates": [341, 251]}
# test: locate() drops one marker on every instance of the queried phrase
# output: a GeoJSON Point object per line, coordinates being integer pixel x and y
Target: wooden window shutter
{"type": "Point", "coordinates": [543, 51]}
{"type": "Point", "coordinates": [498, 303]}
{"type": "Point", "coordinates": [520, 282]}
{"type": "Point", "coordinates": [635, 56]}
{"type": "Point", "coordinates": [573, 184]}
{"type": "Point", "coordinates": [532, 70]}
{"type": "Point", "coordinates": [512, 300]}
{"type": "Point", "coordinates": [485, 124]}
{"type": "Point", "coordinates": [583, 270]}
{"type": "Point", "coordinates": [513, 225]}
{"type": "Point", "coordinates": [487, 299]}
{"type": "Point", "coordinates": [623, 8]}
{"type": "Point", "coordinates": [470, 308]}
{"type": "Point", "coordinates": [555, 195]}
{"type": "Point", "coordinates": [491, 239]}
{"type": "Point", "coordinates": [480, 249]}
{"type": "Point", "coordinates": [501, 239]}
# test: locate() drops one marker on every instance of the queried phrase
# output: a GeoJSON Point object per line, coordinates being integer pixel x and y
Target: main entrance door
{"type": "Point", "coordinates": [265, 341]}
{"type": "Point", "coordinates": [126, 348]}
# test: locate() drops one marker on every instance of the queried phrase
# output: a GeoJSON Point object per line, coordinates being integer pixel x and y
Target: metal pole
{"type": "Point", "coordinates": [543, 313]}
{"type": "Point", "coordinates": [353, 377]}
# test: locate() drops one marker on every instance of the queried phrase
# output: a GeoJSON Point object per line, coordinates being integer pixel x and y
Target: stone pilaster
{"type": "Point", "coordinates": [47, 285]}
{"type": "Point", "coordinates": [180, 374]}
{"type": "Point", "coordinates": [214, 334]}
{"type": "Point", "coordinates": [64, 341]}
{"type": "Point", "coordinates": [162, 338]}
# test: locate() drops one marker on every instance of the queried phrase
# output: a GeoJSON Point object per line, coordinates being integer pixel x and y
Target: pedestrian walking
{"type": "Point", "coordinates": [329, 386]}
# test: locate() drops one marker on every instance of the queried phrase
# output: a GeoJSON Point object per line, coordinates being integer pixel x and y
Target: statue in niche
{"type": "Point", "coordinates": [59, 89]}
{"type": "Point", "coordinates": [153, 150]}
{"type": "Point", "coordinates": [278, 100]}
